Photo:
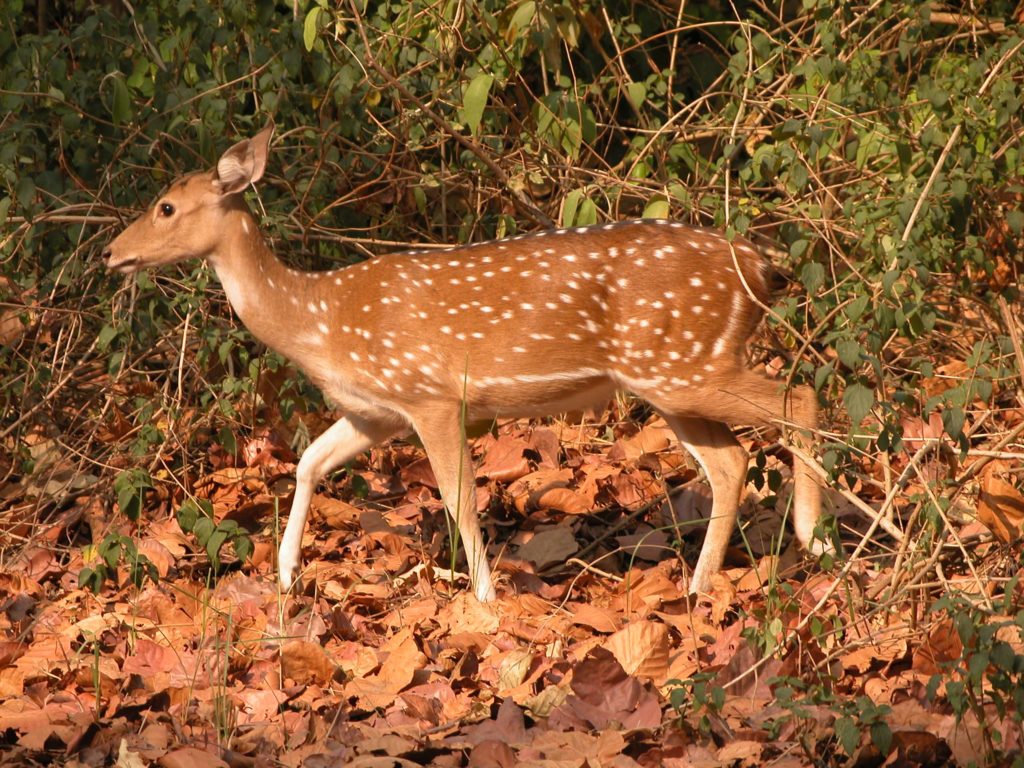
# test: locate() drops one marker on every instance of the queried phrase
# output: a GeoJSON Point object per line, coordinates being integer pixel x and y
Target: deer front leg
{"type": "Point", "coordinates": [725, 463]}
{"type": "Point", "coordinates": [445, 443]}
{"type": "Point", "coordinates": [343, 441]}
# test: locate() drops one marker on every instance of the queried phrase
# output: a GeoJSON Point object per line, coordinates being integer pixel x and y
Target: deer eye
{"type": "Point", "coordinates": [166, 209]}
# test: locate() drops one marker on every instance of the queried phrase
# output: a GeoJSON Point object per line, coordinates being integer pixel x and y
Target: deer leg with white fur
{"type": "Point", "coordinates": [444, 440]}
{"type": "Point", "coordinates": [751, 398]}
{"type": "Point", "coordinates": [724, 462]}
{"type": "Point", "coordinates": [343, 441]}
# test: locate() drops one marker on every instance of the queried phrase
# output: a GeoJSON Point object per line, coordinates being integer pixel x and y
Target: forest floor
{"type": "Point", "coordinates": [593, 655]}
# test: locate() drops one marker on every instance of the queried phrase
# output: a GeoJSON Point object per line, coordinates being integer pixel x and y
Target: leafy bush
{"type": "Point", "coordinates": [877, 148]}
{"type": "Point", "coordinates": [196, 517]}
{"type": "Point", "coordinates": [112, 551]}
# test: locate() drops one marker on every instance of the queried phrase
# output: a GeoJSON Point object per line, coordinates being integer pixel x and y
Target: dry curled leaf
{"type": "Point", "coordinates": [528, 489]}
{"type": "Point", "coordinates": [306, 662]}
{"type": "Point", "coordinates": [564, 500]}
{"type": "Point", "coordinates": [651, 439]}
{"type": "Point", "coordinates": [190, 757]}
{"type": "Point", "coordinates": [506, 459]}
{"type": "Point", "coordinates": [598, 619]}
{"type": "Point", "coordinates": [550, 545]}
{"type": "Point", "coordinates": [1000, 501]}
{"type": "Point", "coordinates": [641, 647]}
{"type": "Point", "coordinates": [941, 647]}
{"type": "Point", "coordinates": [605, 693]}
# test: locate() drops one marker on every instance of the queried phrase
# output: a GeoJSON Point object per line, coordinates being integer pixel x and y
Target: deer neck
{"type": "Point", "coordinates": [262, 290]}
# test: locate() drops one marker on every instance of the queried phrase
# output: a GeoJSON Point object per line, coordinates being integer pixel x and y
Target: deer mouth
{"type": "Point", "coordinates": [124, 264]}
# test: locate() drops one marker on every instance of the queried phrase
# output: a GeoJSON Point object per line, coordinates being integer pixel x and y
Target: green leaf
{"type": "Point", "coordinates": [1002, 656]}
{"type": "Point", "coordinates": [474, 99]}
{"type": "Point", "coordinates": [243, 547]}
{"type": "Point", "coordinates": [656, 208]}
{"type": "Point", "coordinates": [858, 400]}
{"type": "Point", "coordinates": [203, 529]}
{"type": "Point", "coordinates": [822, 374]}
{"type": "Point", "coordinates": [905, 155]}
{"type": "Point", "coordinates": [130, 486]}
{"type": "Point", "coordinates": [637, 94]}
{"type": "Point", "coordinates": [587, 214]}
{"type": "Point", "coordinates": [521, 19]}
{"type": "Point", "coordinates": [799, 176]}
{"type": "Point", "coordinates": [86, 578]}
{"type": "Point", "coordinates": [121, 108]}
{"type": "Point", "coordinates": [849, 353]}
{"type": "Point", "coordinates": [227, 439]}
{"type": "Point", "coordinates": [213, 545]}
{"type": "Point", "coordinates": [677, 696]}
{"type": "Point", "coordinates": [889, 280]}
{"type": "Point", "coordinates": [953, 421]}
{"type": "Point", "coordinates": [848, 733]}
{"type": "Point", "coordinates": [856, 307]}
{"type": "Point", "coordinates": [105, 336]}
{"type": "Point", "coordinates": [230, 527]}
{"type": "Point", "coordinates": [718, 698]}
{"type": "Point", "coordinates": [188, 515]}
{"type": "Point", "coordinates": [142, 569]}
{"type": "Point", "coordinates": [138, 76]}
{"type": "Point", "coordinates": [578, 210]}
{"type": "Point", "coordinates": [957, 696]}
{"type": "Point", "coordinates": [309, 27]}
{"type": "Point", "coordinates": [812, 275]}
{"type": "Point", "coordinates": [881, 736]}
{"type": "Point", "coordinates": [789, 129]}
{"type": "Point", "coordinates": [937, 96]}
{"type": "Point", "coordinates": [25, 191]}
{"type": "Point", "coordinates": [110, 551]}
{"type": "Point", "coordinates": [569, 207]}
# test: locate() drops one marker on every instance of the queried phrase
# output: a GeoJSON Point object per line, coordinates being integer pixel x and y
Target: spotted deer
{"type": "Point", "coordinates": [530, 325]}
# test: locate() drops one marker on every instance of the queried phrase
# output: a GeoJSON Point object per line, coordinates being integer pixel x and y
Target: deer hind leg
{"type": "Point", "coordinates": [751, 398]}
{"type": "Point", "coordinates": [445, 443]}
{"type": "Point", "coordinates": [724, 462]}
{"type": "Point", "coordinates": [740, 396]}
{"type": "Point", "coordinates": [343, 441]}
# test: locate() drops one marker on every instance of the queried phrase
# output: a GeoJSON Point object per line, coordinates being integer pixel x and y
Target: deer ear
{"type": "Point", "coordinates": [244, 163]}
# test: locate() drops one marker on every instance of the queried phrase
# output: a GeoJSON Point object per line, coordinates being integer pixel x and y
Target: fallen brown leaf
{"type": "Point", "coordinates": [634, 488]}
{"type": "Point", "coordinates": [403, 659]}
{"type": "Point", "coordinates": [1000, 502]}
{"type": "Point", "coordinates": [645, 543]}
{"type": "Point", "coordinates": [641, 647]}
{"type": "Point", "coordinates": [549, 545]}
{"type": "Point", "coordinates": [941, 647]}
{"type": "Point", "coordinates": [467, 614]}
{"type": "Point", "coordinates": [190, 757]}
{"type": "Point", "coordinates": [563, 500]}
{"type": "Point", "coordinates": [513, 668]}
{"type": "Point", "coordinates": [599, 619]}
{"type": "Point", "coordinates": [493, 753]}
{"type": "Point", "coordinates": [527, 489]}
{"type": "Point", "coordinates": [306, 662]}
{"type": "Point", "coordinates": [604, 693]}
{"type": "Point", "coordinates": [545, 443]}
{"type": "Point", "coordinates": [741, 753]}
{"type": "Point", "coordinates": [505, 460]}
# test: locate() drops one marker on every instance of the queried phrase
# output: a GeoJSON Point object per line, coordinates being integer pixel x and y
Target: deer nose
{"type": "Point", "coordinates": [105, 253]}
